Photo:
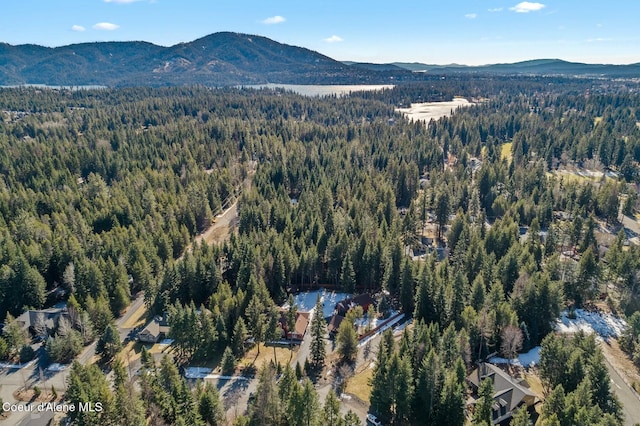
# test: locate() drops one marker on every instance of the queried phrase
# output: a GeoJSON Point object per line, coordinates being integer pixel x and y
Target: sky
{"type": "Point", "coordinates": [471, 32]}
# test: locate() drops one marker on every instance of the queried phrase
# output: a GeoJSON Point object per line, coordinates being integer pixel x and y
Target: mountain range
{"type": "Point", "coordinates": [227, 58]}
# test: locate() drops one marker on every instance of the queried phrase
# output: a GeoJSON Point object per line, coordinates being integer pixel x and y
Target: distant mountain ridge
{"type": "Point", "coordinates": [227, 58]}
{"type": "Point", "coordinates": [218, 59]}
{"type": "Point", "coordinates": [535, 66]}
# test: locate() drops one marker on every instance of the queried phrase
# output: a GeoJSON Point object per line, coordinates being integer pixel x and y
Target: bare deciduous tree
{"type": "Point", "coordinates": [511, 341]}
{"type": "Point", "coordinates": [39, 325]}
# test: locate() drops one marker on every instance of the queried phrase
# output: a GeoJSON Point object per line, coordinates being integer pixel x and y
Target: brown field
{"type": "Point", "coordinates": [359, 385]}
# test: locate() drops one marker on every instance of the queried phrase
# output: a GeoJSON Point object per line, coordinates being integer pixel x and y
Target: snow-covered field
{"type": "Point", "coordinates": [427, 111]}
{"type": "Point", "coordinates": [528, 359]}
{"type": "Point", "coordinates": [306, 300]}
{"type": "Point", "coordinates": [603, 324]}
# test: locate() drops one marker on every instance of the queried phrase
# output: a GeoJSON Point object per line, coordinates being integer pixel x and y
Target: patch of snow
{"type": "Point", "coordinates": [528, 359]}
{"type": "Point", "coordinates": [390, 323]}
{"type": "Point", "coordinates": [364, 321]}
{"type": "Point", "coordinates": [603, 324]}
{"type": "Point", "coordinates": [196, 372]}
{"type": "Point", "coordinates": [400, 327]}
{"type": "Point", "coordinates": [17, 366]}
{"type": "Point", "coordinates": [221, 377]}
{"type": "Point", "coordinates": [57, 367]}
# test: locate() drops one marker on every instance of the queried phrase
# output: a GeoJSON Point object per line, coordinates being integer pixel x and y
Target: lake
{"type": "Point", "coordinates": [321, 90]}
{"type": "Point", "coordinates": [427, 111]}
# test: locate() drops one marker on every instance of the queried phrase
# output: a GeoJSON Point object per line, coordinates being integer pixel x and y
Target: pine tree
{"type": "Point", "coordinates": [331, 411]}
{"type": "Point", "coordinates": [318, 327]}
{"type": "Point", "coordinates": [380, 398]}
{"type": "Point", "coordinates": [109, 344]}
{"type": "Point", "coordinates": [407, 289]}
{"type": "Point", "coordinates": [310, 406]}
{"type": "Point", "coordinates": [239, 337]}
{"type": "Point", "coordinates": [228, 362]}
{"type": "Point", "coordinates": [209, 404]}
{"type": "Point", "coordinates": [257, 319]}
{"type": "Point", "coordinates": [291, 314]}
{"type": "Point", "coordinates": [347, 275]}
{"type": "Point", "coordinates": [520, 417]}
{"type": "Point", "coordinates": [351, 419]}
{"type": "Point", "coordinates": [403, 392]}
{"type": "Point", "coordinates": [482, 413]}
{"type": "Point", "coordinates": [347, 341]}
{"type": "Point", "coordinates": [266, 409]}
{"type": "Point", "coordinates": [128, 406]}
{"type": "Point", "coordinates": [287, 383]}
{"type": "Point", "coordinates": [451, 407]}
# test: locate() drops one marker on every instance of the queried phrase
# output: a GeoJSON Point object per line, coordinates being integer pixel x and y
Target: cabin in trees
{"type": "Point", "coordinates": [509, 393]}
{"type": "Point", "coordinates": [155, 331]}
{"type": "Point", "coordinates": [298, 332]}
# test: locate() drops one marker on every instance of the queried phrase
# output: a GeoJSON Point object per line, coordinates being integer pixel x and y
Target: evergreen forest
{"type": "Point", "coordinates": [102, 193]}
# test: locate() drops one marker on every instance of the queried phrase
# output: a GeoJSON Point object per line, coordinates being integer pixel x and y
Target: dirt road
{"type": "Point", "coordinates": [220, 229]}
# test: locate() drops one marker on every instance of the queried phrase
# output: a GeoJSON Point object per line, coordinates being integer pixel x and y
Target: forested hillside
{"type": "Point", "coordinates": [101, 192]}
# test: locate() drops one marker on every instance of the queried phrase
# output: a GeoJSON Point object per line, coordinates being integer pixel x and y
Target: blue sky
{"type": "Point", "coordinates": [441, 32]}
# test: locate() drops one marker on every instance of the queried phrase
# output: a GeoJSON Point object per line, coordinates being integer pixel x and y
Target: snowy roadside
{"type": "Point", "coordinates": [604, 325]}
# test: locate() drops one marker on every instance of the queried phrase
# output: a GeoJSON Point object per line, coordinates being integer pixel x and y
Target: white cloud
{"type": "Point", "coordinates": [333, 39]}
{"type": "Point", "coordinates": [274, 20]}
{"type": "Point", "coordinates": [106, 26]}
{"type": "Point", "coordinates": [471, 15]}
{"type": "Point", "coordinates": [527, 6]}
{"type": "Point", "coordinates": [78, 28]}
{"type": "Point", "coordinates": [598, 40]}
{"type": "Point", "coordinates": [495, 9]}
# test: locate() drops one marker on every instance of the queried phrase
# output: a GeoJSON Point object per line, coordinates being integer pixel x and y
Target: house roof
{"type": "Point", "coordinates": [302, 321]}
{"type": "Point", "coordinates": [49, 317]}
{"type": "Point", "coordinates": [155, 327]}
{"type": "Point", "coordinates": [507, 390]}
{"type": "Point", "coordinates": [334, 322]}
{"type": "Point", "coordinates": [359, 300]}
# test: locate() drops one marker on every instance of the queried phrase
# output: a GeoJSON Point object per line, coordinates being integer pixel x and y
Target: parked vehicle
{"type": "Point", "coordinates": [373, 420]}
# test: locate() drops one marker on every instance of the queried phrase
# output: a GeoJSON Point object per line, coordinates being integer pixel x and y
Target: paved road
{"type": "Point", "coordinates": [12, 379]}
{"type": "Point", "coordinates": [631, 223]}
{"type": "Point", "coordinates": [87, 354]}
{"type": "Point", "coordinates": [629, 399]}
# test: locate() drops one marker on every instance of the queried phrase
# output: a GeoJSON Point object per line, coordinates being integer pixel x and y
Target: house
{"type": "Point", "coordinates": [365, 300]}
{"type": "Point", "coordinates": [298, 332]}
{"type": "Point", "coordinates": [509, 393]}
{"type": "Point", "coordinates": [42, 321]}
{"type": "Point", "coordinates": [155, 331]}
